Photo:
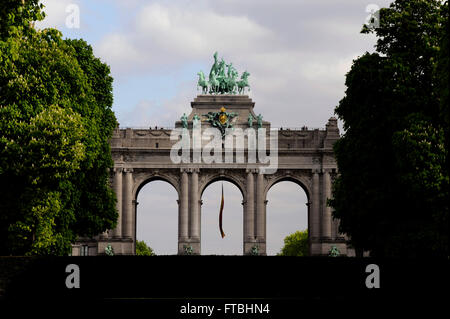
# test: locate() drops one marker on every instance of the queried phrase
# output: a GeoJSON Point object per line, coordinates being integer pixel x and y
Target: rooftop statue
{"type": "Point", "coordinates": [259, 120]}
{"type": "Point", "coordinates": [243, 83]}
{"type": "Point", "coordinates": [250, 120]}
{"type": "Point", "coordinates": [214, 83]}
{"type": "Point", "coordinates": [202, 82]}
{"type": "Point", "coordinates": [184, 121]}
{"type": "Point", "coordinates": [195, 120]}
{"type": "Point", "coordinates": [223, 79]}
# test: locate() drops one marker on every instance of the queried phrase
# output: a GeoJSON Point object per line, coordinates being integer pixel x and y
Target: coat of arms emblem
{"type": "Point", "coordinates": [222, 119]}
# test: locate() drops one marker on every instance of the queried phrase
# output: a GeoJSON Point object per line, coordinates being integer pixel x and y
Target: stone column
{"type": "Point", "coordinates": [265, 218]}
{"type": "Point", "coordinates": [183, 225]}
{"type": "Point", "coordinates": [134, 223]}
{"type": "Point", "coordinates": [315, 206]}
{"type": "Point", "coordinates": [326, 210]}
{"type": "Point", "coordinates": [249, 219]}
{"type": "Point", "coordinates": [194, 218]}
{"type": "Point", "coordinates": [117, 232]}
{"type": "Point", "coordinates": [260, 218]}
{"type": "Point", "coordinates": [128, 204]}
{"type": "Point", "coordinates": [199, 217]}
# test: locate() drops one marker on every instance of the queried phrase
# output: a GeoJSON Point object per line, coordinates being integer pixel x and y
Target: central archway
{"type": "Point", "coordinates": [211, 241]}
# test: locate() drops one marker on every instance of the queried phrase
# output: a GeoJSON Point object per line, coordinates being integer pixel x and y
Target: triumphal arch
{"type": "Point", "coordinates": [222, 138]}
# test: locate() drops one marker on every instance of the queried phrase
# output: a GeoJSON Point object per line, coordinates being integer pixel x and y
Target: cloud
{"type": "Point", "coordinates": [296, 52]}
{"type": "Point", "coordinates": [167, 36]}
{"type": "Point", "coordinates": [117, 49]}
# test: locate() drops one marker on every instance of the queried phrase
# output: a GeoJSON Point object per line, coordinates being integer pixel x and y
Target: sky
{"type": "Point", "coordinates": [297, 53]}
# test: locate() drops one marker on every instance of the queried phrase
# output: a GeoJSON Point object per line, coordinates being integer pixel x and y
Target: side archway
{"type": "Point", "coordinates": [155, 212]}
{"type": "Point", "coordinates": [287, 210]}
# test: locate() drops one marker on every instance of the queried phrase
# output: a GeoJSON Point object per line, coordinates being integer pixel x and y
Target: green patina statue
{"type": "Point", "coordinates": [254, 251]}
{"type": "Point", "coordinates": [334, 252]}
{"type": "Point", "coordinates": [243, 83]}
{"type": "Point", "coordinates": [195, 120]}
{"type": "Point", "coordinates": [220, 82]}
{"type": "Point", "coordinates": [214, 83]}
{"type": "Point", "coordinates": [202, 82]}
{"type": "Point", "coordinates": [259, 120]}
{"type": "Point", "coordinates": [184, 122]}
{"type": "Point", "coordinates": [215, 66]}
{"type": "Point", "coordinates": [250, 120]}
{"type": "Point", "coordinates": [109, 251]}
{"type": "Point", "coordinates": [188, 250]}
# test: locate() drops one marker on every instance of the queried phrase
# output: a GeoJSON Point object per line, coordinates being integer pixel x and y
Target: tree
{"type": "Point", "coordinates": [55, 123]}
{"type": "Point", "coordinates": [392, 191]}
{"type": "Point", "coordinates": [296, 244]}
{"type": "Point", "coordinates": [143, 250]}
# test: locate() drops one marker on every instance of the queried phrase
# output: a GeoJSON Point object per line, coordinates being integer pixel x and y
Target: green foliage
{"type": "Point", "coordinates": [143, 250]}
{"type": "Point", "coordinates": [391, 194]}
{"type": "Point", "coordinates": [16, 16]}
{"type": "Point", "coordinates": [295, 244]}
{"type": "Point", "coordinates": [55, 123]}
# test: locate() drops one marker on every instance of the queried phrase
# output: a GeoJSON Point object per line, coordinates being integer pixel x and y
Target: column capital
{"type": "Point", "coordinates": [315, 171]}
{"type": "Point", "coordinates": [184, 170]}
{"type": "Point", "coordinates": [193, 170]}
{"type": "Point", "coordinates": [117, 169]}
{"type": "Point", "coordinates": [128, 170]}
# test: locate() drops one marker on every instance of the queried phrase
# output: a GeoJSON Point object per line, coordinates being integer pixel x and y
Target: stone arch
{"type": "Point", "coordinates": [236, 180]}
{"type": "Point", "coordinates": [301, 181]}
{"type": "Point", "coordinates": [141, 182]}
{"type": "Point", "coordinates": [223, 177]}
{"type": "Point", "coordinates": [304, 183]}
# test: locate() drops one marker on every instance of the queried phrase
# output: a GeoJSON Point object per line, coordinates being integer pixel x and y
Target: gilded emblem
{"type": "Point", "coordinates": [221, 120]}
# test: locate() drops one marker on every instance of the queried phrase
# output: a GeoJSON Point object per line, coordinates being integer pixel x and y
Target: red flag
{"type": "Point", "coordinates": [220, 216]}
